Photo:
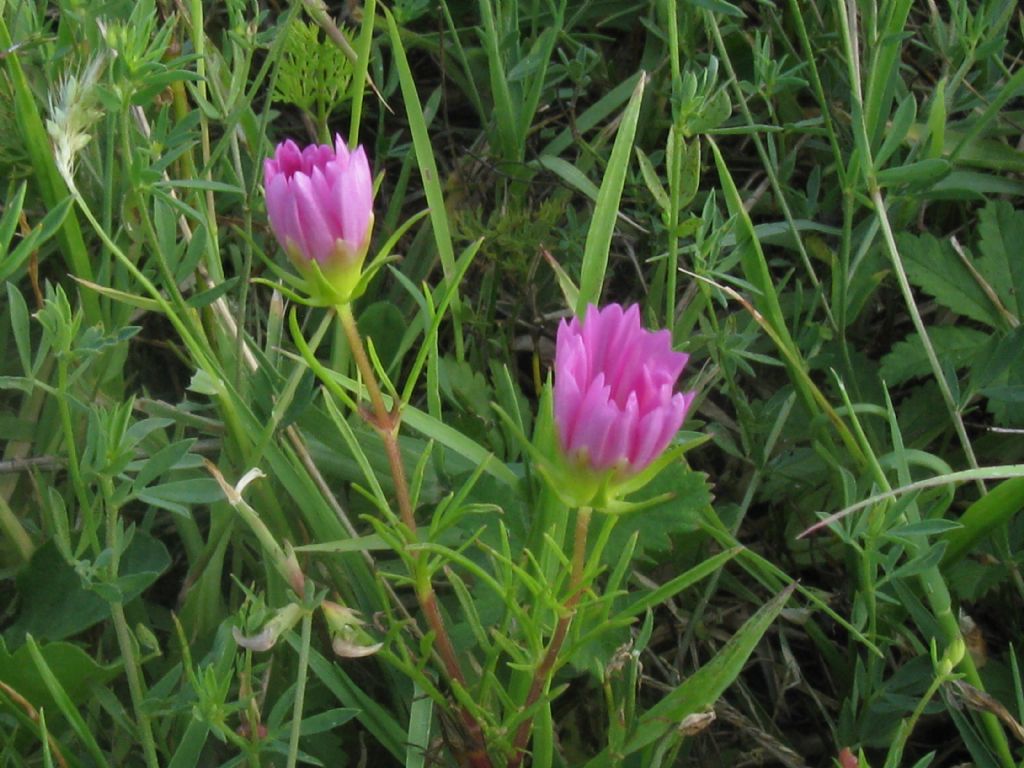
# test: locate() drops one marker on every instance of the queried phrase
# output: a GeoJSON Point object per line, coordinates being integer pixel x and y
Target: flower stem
{"type": "Point", "coordinates": [386, 423]}
{"type": "Point", "coordinates": [545, 669]}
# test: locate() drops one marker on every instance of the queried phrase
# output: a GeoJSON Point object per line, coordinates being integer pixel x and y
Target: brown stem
{"type": "Point", "coordinates": [386, 423]}
{"type": "Point", "coordinates": [542, 677]}
{"type": "Point", "coordinates": [33, 714]}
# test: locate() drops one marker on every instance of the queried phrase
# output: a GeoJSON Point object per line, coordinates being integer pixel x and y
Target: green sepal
{"type": "Point", "coordinates": [603, 491]}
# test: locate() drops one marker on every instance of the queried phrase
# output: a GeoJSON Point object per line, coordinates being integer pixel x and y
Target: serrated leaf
{"type": "Point", "coordinates": [465, 387]}
{"type": "Point", "coordinates": [954, 345]}
{"type": "Point", "coordinates": [998, 374]}
{"type": "Point", "coordinates": [934, 267]}
{"type": "Point", "coordinates": [1001, 262]}
{"type": "Point", "coordinates": [680, 513]}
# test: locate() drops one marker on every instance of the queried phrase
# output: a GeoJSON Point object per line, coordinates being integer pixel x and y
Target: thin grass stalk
{"type": "Point", "coordinates": [300, 690]}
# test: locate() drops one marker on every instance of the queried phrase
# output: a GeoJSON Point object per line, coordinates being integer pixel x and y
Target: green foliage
{"type": "Point", "coordinates": [825, 210]}
{"type": "Point", "coordinates": [313, 74]}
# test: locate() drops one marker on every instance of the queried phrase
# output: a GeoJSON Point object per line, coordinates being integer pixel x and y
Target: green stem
{"type": "Point", "coordinates": [198, 29]}
{"type": "Point", "coordinates": [907, 726]}
{"type": "Point", "coordinates": [546, 668]}
{"type": "Point", "coordinates": [673, 180]}
{"type": "Point", "coordinates": [74, 470]}
{"type": "Point", "coordinates": [14, 531]}
{"type": "Point", "coordinates": [362, 64]}
{"type": "Point", "coordinates": [300, 690]}
{"type": "Point", "coordinates": [125, 641]}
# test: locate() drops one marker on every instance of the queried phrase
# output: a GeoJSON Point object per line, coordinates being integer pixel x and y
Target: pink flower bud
{"type": "Point", "coordinates": [320, 205]}
{"type": "Point", "coordinates": [615, 404]}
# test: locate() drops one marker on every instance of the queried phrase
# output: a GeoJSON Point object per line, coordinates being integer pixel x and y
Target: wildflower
{"type": "Point", "coordinates": [283, 620]}
{"type": "Point", "coordinates": [615, 407]}
{"type": "Point", "coordinates": [320, 205]}
{"type": "Point", "coordinates": [348, 638]}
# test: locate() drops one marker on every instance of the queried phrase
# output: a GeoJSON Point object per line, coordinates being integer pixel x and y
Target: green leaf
{"type": "Point", "coordinates": [163, 460]}
{"type": "Point", "coordinates": [718, 6]}
{"type": "Point", "coordinates": [927, 560]}
{"type": "Point", "coordinates": [570, 174]}
{"type": "Point", "coordinates": [956, 346]}
{"type": "Point", "coordinates": [55, 603]}
{"type": "Point", "coordinates": [715, 111]}
{"type": "Point", "coordinates": [421, 715]}
{"type": "Point", "coordinates": [327, 721]}
{"type": "Point", "coordinates": [991, 512]}
{"type": "Point", "coordinates": [383, 324]}
{"type": "Point", "coordinates": [705, 686]}
{"type": "Point", "coordinates": [934, 267]}
{"type": "Point", "coordinates": [655, 597]}
{"type": "Point", "coordinates": [1001, 262]}
{"type": "Point", "coordinates": [9, 220]}
{"type": "Point", "coordinates": [901, 122]}
{"type": "Point", "coordinates": [371, 715]}
{"type": "Point", "coordinates": [31, 243]}
{"type": "Point", "coordinates": [936, 125]}
{"type": "Point", "coordinates": [651, 179]}
{"type": "Point", "coordinates": [18, 311]}
{"type": "Point", "coordinates": [63, 702]}
{"type": "Point", "coordinates": [72, 667]}
{"type": "Point", "coordinates": [921, 173]}
{"type": "Point", "coordinates": [687, 493]}
{"type": "Point", "coordinates": [177, 495]}
{"type": "Point", "coordinates": [606, 211]}
{"type": "Point", "coordinates": [210, 295]}
{"type": "Point", "coordinates": [191, 745]}
{"type": "Point", "coordinates": [423, 146]}
{"type": "Point", "coordinates": [465, 387]}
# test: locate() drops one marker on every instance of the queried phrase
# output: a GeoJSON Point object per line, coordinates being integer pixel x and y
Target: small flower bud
{"type": "Point", "coordinates": [283, 620]}
{"type": "Point", "coordinates": [320, 206]}
{"type": "Point", "coordinates": [348, 639]}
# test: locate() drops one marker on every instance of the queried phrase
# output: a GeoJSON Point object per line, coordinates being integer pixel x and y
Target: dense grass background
{"type": "Point", "coordinates": [819, 199]}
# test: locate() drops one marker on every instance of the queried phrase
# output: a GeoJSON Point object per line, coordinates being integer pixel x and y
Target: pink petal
{"type": "Point", "coordinates": [315, 229]}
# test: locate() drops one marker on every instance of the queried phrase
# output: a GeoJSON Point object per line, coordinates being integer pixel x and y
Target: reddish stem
{"type": "Point", "coordinates": [386, 423]}
{"type": "Point", "coordinates": [542, 677]}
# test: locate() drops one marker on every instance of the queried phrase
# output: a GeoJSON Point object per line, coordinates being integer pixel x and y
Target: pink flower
{"type": "Point", "coordinates": [614, 401]}
{"type": "Point", "coordinates": [320, 205]}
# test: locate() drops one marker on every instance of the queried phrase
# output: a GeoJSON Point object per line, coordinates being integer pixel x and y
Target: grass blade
{"type": "Point", "coordinates": [599, 236]}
